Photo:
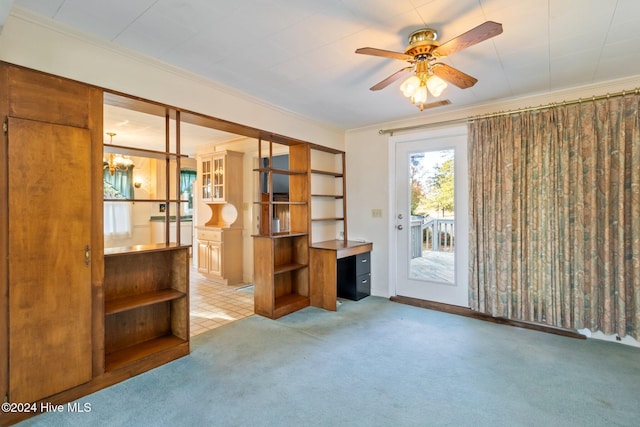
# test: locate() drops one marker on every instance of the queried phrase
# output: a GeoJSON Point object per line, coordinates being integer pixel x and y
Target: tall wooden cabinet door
{"type": "Point", "coordinates": [49, 187]}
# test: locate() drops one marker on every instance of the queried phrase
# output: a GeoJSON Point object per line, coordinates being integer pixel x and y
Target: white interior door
{"type": "Point", "coordinates": [431, 216]}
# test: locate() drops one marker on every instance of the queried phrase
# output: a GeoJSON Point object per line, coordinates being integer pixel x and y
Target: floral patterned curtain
{"type": "Point", "coordinates": [555, 215]}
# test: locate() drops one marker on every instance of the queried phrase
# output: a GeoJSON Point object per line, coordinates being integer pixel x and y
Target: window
{"type": "Point", "coordinates": [119, 185]}
{"type": "Point", "coordinates": [117, 215]}
{"type": "Point", "coordinates": [186, 186]}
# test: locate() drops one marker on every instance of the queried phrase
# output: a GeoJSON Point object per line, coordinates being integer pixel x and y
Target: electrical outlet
{"type": "Point", "coordinates": [376, 213]}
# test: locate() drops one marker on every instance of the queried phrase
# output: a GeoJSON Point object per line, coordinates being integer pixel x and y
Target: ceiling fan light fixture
{"type": "Point", "coordinates": [436, 85]}
{"type": "Point", "coordinates": [420, 96]}
{"type": "Point", "coordinates": [423, 54]}
{"type": "Point", "coordinates": [410, 86]}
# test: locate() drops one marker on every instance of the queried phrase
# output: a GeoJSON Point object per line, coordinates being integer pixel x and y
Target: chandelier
{"type": "Point", "coordinates": [415, 87]}
{"type": "Point", "coordinates": [116, 161]}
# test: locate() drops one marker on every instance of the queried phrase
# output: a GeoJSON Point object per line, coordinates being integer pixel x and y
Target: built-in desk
{"type": "Point", "coordinates": [336, 264]}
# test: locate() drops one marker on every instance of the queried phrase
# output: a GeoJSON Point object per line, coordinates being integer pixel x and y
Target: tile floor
{"type": "Point", "coordinates": [213, 304]}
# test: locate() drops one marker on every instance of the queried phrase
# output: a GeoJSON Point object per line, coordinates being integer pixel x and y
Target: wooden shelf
{"type": "Point", "coordinates": [324, 149]}
{"type": "Point", "coordinates": [125, 356]}
{"type": "Point", "coordinates": [279, 269]}
{"type": "Point", "coordinates": [281, 171]}
{"type": "Point", "coordinates": [330, 196]}
{"type": "Point", "coordinates": [127, 250]}
{"type": "Point", "coordinates": [327, 219]}
{"type": "Point", "coordinates": [140, 152]}
{"type": "Point", "coordinates": [148, 200]}
{"type": "Point", "coordinates": [280, 203]}
{"type": "Point", "coordinates": [281, 235]}
{"type": "Point", "coordinates": [333, 174]}
{"type": "Point", "coordinates": [141, 300]}
{"type": "Point", "coordinates": [288, 304]}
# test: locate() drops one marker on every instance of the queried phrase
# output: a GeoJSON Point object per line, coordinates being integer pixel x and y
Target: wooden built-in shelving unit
{"type": "Point", "coordinates": [281, 257]}
{"type": "Point", "coordinates": [146, 287]}
{"type": "Point", "coordinates": [290, 270]}
{"type": "Point", "coordinates": [146, 302]}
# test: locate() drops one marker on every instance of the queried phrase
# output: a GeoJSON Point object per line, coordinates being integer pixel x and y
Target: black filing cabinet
{"type": "Point", "coordinates": [354, 276]}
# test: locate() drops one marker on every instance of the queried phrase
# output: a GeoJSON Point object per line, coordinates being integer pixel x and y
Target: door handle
{"type": "Point", "coordinates": [399, 226]}
{"type": "Point", "coordinates": [86, 255]}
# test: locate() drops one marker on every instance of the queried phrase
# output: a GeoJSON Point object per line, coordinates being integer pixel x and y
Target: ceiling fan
{"type": "Point", "coordinates": [422, 53]}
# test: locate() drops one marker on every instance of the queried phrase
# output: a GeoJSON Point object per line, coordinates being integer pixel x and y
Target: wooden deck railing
{"type": "Point", "coordinates": [423, 233]}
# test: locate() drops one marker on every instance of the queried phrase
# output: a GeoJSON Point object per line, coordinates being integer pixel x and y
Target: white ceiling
{"type": "Point", "coordinates": [299, 54]}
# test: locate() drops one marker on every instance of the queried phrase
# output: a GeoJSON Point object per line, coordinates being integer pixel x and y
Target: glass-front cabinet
{"type": "Point", "coordinates": [220, 174]}
{"type": "Point", "coordinates": [218, 179]}
{"type": "Point", "coordinates": [206, 179]}
{"type": "Point", "coordinates": [213, 178]}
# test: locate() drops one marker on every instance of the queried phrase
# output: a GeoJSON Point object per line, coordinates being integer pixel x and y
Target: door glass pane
{"type": "Point", "coordinates": [432, 239]}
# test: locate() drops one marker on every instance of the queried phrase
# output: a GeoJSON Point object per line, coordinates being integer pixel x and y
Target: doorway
{"type": "Point", "coordinates": [431, 216]}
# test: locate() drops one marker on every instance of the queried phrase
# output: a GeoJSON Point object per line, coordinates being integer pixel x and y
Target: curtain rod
{"type": "Point", "coordinates": [509, 112]}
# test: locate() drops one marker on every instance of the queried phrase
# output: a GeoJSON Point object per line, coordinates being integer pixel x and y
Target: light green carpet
{"type": "Point", "coordinates": [376, 363]}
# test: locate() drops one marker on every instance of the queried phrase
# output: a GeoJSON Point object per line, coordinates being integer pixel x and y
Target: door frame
{"type": "Point", "coordinates": [461, 261]}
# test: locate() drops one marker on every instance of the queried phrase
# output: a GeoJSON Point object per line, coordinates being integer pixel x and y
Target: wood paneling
{"type": "Point", "coordinates": [127, 277]}
{"type": "Point", "coordinates": [48, 98]}
{"type": "Point", "coordinates": [49, 188]}
{"type": "Point", "coordinates": [137, 326]}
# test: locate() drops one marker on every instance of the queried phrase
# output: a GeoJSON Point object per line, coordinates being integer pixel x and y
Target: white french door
{"type": "Point", "coordinates": [431, 216]}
